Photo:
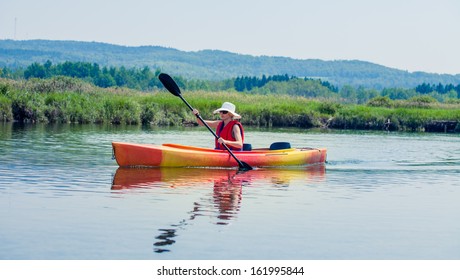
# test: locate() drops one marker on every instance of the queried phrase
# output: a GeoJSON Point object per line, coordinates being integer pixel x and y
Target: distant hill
{"type": "Point", "coordinates": [214, 64]}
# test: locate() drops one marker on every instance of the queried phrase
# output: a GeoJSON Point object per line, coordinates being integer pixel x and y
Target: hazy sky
{"type": "Point", "coordinates": [405, 34]}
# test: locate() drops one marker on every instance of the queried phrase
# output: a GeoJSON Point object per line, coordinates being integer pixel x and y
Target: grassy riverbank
{"type": "Point", "coordinates": [64, 100]}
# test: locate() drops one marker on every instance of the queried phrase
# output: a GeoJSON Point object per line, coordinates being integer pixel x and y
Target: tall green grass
{"type": "Point", "coordinates": [67, 100]}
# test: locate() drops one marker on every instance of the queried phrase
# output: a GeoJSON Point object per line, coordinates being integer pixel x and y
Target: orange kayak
{"type": "Point", "coordinates": [175, 155]}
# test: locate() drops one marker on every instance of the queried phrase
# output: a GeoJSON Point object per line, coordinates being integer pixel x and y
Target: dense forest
{"type": "Point", "coordinates": [144, 79]}
{"type": "Point", "coordinates": [214, 65]}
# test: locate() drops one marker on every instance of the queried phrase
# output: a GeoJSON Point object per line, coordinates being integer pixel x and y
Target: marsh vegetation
{"type": "Point", "coordinates": [70, 100]}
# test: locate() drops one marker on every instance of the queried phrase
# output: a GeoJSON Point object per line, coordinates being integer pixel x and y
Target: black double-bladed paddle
{"type": "Point", "coordinates": [173, 88]}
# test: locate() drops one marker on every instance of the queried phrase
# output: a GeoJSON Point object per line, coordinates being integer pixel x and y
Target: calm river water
{"type": "Point", "coordinates": [380, 196]}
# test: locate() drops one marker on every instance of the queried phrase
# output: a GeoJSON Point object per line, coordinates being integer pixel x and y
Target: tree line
{"type": "Point", "coordinates": [246, 83]}
{"type": "Point", "coordinates": [145, 79]}
{"type": "Point", "coordinates": [141, 79]}
{"type": "Point", "coordinates": [425, 88]}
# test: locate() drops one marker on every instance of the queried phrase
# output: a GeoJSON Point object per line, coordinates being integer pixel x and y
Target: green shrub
{"type": "Point", "coordinates": [329, 108]}
{"type": "Point", "coordinates": [122, 110]}
{"type": "Point", "coordinates": [381, 101]}
{"type": "Point", "coordinates": [422, 101]}
{"type": "Point", "coordinates": [28, 107]}
{"type": "Point", "coordinates": [6, 113]}
{"type": "Point", "coordinates": [58, 84]}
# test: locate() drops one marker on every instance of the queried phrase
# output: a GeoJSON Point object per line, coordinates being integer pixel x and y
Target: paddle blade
{"type": "Point", "coordinates": [243, 166]}
{"type": "Point", "coordinates": [169, 84]}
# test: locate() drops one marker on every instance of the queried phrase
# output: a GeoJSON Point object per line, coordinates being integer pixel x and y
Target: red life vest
{"type": "Point", "coordinates": [226, 133]}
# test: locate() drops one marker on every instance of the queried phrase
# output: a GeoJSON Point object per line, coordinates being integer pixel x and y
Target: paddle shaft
{"type": "Point", "coordinates": [173, 88]}
{"type": "Point", "coordinates": [240, 164]}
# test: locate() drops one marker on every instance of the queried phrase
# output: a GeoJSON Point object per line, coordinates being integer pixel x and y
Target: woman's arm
{"type": "Point", "coordinates": [212, 124]}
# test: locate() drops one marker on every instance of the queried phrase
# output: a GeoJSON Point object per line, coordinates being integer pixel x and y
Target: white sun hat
{"type": "Point", "coordinates": [230, 107]}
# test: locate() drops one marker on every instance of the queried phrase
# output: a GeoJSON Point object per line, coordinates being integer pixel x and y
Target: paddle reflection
{"type": "Point", "coordinates": [225, 202]}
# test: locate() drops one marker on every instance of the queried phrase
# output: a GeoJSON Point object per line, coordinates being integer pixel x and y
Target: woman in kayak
{"type": "Point", "coordinates": [228, 129]}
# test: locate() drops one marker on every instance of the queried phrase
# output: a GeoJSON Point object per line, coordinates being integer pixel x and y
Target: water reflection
{"type": "Point", "coordinates": [136, 178]}
{"type": "Point", "coordinates": [225, 202]}
{"type": "Point", "coordinates": [227, 198]}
